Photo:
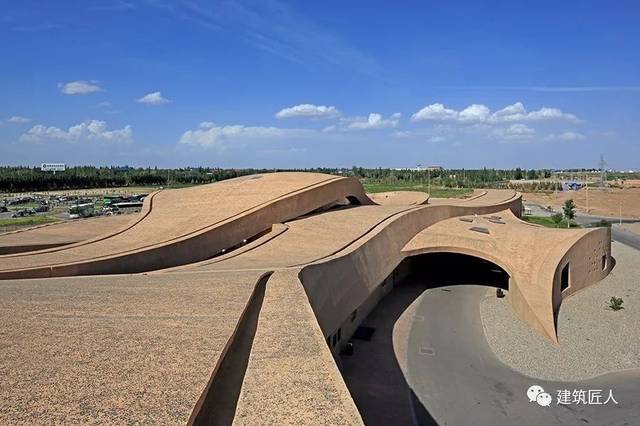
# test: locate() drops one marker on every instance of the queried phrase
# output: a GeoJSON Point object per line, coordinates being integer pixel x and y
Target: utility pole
{"type": "Point", "coordinates": [603, 171]}
{"type": "Point", "coordinates": [429, 181]}
{"type": "Point", "coordinates": [620, 212]}
{"type": "Point", "coordinates": [586, 187]}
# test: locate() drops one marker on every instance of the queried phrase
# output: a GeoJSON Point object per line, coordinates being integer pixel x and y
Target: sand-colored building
{"type": "Point", "coordinates": [226, 303]}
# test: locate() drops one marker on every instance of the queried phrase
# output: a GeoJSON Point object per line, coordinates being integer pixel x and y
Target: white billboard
{"type": "Point", "coordinates": [53, 167]}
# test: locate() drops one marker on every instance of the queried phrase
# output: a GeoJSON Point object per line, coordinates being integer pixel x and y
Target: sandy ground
{"type": "Point", "coordinates": [602, 202]}
{"type": "Point", "coordinates": [593, 339]}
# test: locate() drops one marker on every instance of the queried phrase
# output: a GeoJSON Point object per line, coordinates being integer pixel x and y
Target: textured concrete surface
{"type": "Point", "coordinates": [592, 339]}
{"type": "Point", "coordinates": [61, 233]}
{"type": "Point", "coordinates": [400, 198]}
{"type": "Point", "coordinates": [189, 225]}
{"type": "Point", "coordinates": [293, 370]}
{"type": "Point", "coordinates": [125, 349]}
{"type": "Point", "coordinates": [308, 239]}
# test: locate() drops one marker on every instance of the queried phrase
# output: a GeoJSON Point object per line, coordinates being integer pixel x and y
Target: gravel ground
{"type": "Point", "coordinates": [593, 339]}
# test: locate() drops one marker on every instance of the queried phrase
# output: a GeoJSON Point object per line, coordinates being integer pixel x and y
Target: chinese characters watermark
{"type": "Point", "coordinates": [567, 397]}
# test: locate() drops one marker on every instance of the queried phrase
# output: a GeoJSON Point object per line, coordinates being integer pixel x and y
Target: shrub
{"type": "Point", "coordinates": [615, 303]}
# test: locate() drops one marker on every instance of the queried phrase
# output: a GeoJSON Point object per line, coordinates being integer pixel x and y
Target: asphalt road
{"type": "Point", "coordinates": [457, 378]}
{"type": "Point", "coordinates": [623, 236]}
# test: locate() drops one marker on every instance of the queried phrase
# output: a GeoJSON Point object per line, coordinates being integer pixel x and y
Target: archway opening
{"type": "Point", "coordinates": [446, 268]}
{"type": "Point", "coordinates": [353, 200]}
{"type": "Point", "coordinates": [371, 362]}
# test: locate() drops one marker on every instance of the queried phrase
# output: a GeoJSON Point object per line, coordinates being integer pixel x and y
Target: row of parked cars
{"type": "Point", "coordinates": [41, 207]}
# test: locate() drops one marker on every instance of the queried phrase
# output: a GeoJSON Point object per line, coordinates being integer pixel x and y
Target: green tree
{"type": "Point", "coordinates": [518, 174]}
{"type": "Point", "coordinates": [569, 210]}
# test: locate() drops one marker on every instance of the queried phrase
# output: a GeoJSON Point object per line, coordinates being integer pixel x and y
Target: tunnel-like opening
{"type": "Point", "coordinates": [353, 200]}
{"type": "Point", "coordinates": [371, 363]}
{"type": "Point", "coordinates": [446, 268]}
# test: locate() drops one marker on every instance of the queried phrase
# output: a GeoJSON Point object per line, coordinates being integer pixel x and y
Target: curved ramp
{"type": "Point", "coordinates": [190, 225]}
{"type": "Point", "coordinates": [61, 233]}
{"type": "Point", "coordinates": [400, 198]}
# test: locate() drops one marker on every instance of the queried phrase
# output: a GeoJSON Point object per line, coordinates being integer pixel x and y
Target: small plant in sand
{"type": "Point", "coordinates": [615, 303]}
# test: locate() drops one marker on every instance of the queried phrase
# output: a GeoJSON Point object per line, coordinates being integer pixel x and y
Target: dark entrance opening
{"type": "Point", "coordinates": [443, 269]}
{"type": "Point", "coordinates": [353, 201]}
{"type": "Point", "coordinates": [371, 364]}
{"type": "Point", "coordinates": [564, 279]}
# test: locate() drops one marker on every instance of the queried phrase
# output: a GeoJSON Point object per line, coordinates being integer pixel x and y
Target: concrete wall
{"type": "Point", "coordinates": [343, 283]}
{"type": "Point", "coordinates": [585, 258]}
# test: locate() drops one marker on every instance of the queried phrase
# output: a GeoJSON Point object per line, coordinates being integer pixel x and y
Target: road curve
{"type": "Point", "coordinates": [456, 377]}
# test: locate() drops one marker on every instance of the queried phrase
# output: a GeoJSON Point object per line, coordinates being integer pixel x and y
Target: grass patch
{"type": "Point", "coordinates": [23, 206]}
{"type": "Point", "coordinates": [548, 222]}
{"type": "Point", "coordinates": [26, 221]}
{"type": "Point", "coordinates": [436, 191]}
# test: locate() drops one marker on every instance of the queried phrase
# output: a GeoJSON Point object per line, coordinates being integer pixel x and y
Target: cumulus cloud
{"type": "Point", "coordinates": [435, 112]}
{"type": "Point", "coordinates": [374, 121]}
{"type": "Point", "coordinates": [16, 119]}
{"type": "Point", "coordinates": [565, 136]}
{"type": "Point", "coordinates": [153, 98]}
{"type": "Point", "coordinates": [514, 132]}
{"type": "Point", "coordinates": [210, 135]}
{"type": "Point", "coordinates": [309, 111]}
{"type": "Point", "coordinates": [478, 113]}
{"type": "Point", "coordinates": [79, 87]}
{"type": "Point", "coordinates": [92, 130]}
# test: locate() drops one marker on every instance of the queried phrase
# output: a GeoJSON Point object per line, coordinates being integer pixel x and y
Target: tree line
{"type": "Point", "coordinates": [25, 179]}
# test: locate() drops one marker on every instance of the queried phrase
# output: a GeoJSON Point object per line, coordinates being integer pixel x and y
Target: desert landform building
{"type": "Point", "coordinates": [227, 303]}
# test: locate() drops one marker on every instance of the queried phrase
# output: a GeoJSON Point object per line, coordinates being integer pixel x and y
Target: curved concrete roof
{"type": "Point", "coordinates": [60, 233]}
{"type": "Point", "coordinates": [188, 225]}
{"type": "Point", "coordinates": [243, 281]}
{"type": "Point", "coordinates": [400, 198]}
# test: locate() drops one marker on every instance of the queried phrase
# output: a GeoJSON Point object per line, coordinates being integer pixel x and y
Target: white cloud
{"type": "Point", "coordinates": [375, 121]}
{"type": "Point", "coordinates": [435, 112]}
{"type": "Point", "coordinates": [475, 113]}
{"type": "Point", "coordinates": [545, 113]}
{"type": "Point", "coordinates": [212, 136]}
{"type": "Point", "coordinates": [104, 104]}
{"type": "Point", "coordinates": [478, 113]}
{"type": "Point", "coordinates": [153, 98]}
{"type": "Point", "coordinates": [79, 87]}
{"type": "Point", "coordinates": [309, 111]}
{"type": "Point", "coordinates": [94, 130]}
{"type": "Point", "coordinates": [16, 119]}
{"type": "Point", "coordinates": [514, 132]}
{"type": "Point", "coordinates": [565, 136]}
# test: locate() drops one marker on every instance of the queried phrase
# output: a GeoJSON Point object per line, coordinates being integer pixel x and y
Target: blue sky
{"type": "Point", "coordinates": [273, 83]}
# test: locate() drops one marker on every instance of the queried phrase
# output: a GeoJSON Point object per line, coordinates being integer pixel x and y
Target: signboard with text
{"type": "Point", "coordinates": [53, 167]}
